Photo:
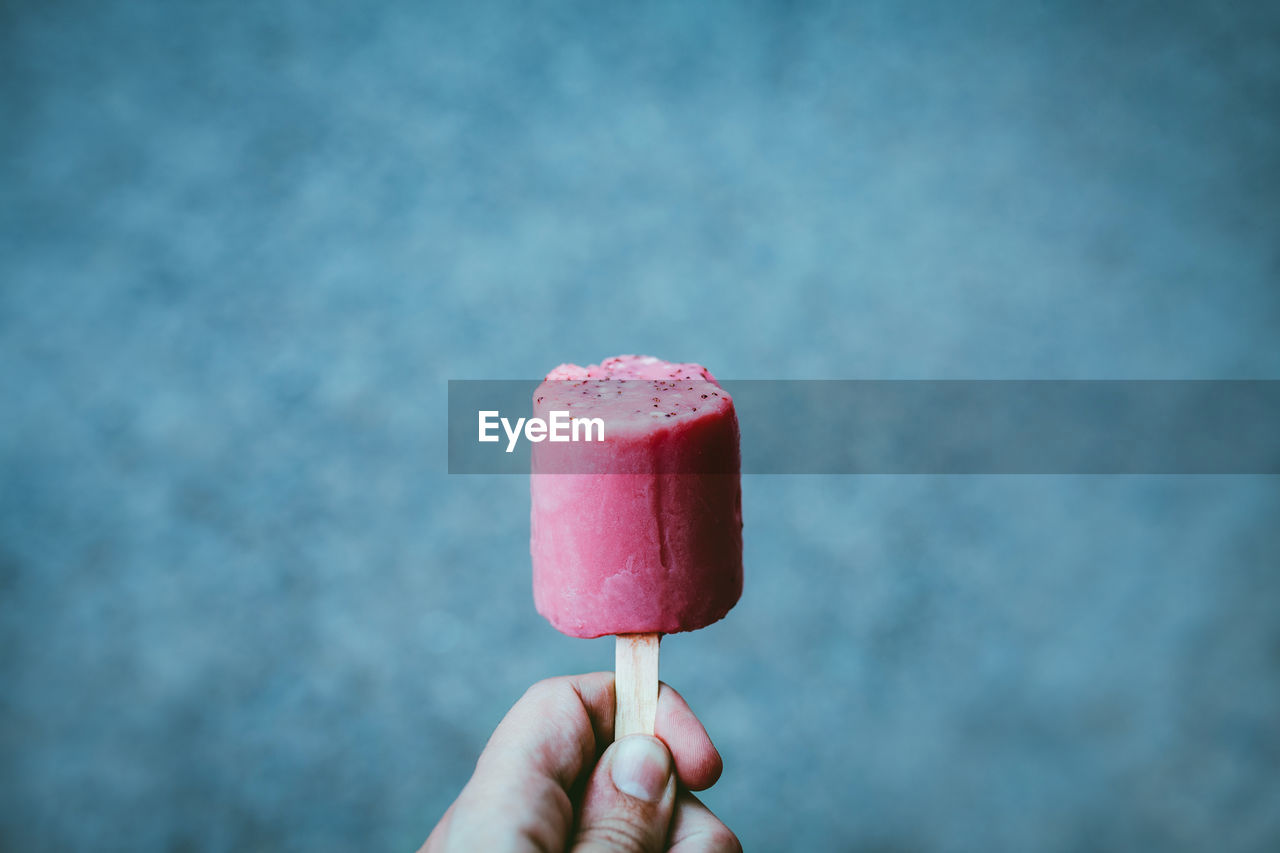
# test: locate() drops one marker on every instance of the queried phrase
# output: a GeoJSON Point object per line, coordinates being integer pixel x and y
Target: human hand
{"type": "Point", "coordinates": [545, 781]}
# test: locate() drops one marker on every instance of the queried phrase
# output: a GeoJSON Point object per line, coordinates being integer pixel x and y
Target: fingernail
{"type": "Point", "coordinates": [641, 767]}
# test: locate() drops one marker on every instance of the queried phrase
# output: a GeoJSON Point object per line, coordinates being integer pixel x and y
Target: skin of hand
{"type": "Point", "coordinates": [552, 779]}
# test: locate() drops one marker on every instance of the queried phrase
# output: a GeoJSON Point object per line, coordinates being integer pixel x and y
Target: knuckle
{"type": "Point", "coordinates": [732, 844]}
{"type": "Point", "coordinates": [722, 840]}
{"type": "Point", "coordinates": [545, 688]}
{"type": "Point", "coordinates": [613, 834]}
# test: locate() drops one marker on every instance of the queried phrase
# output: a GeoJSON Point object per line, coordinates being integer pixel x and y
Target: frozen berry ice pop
{"type": "Point", "coordinates": [639, 534]}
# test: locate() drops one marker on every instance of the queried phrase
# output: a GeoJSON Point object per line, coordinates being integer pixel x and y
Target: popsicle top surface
{"type": "Point", "coordinates": [635, 395]}
{"type": "Point", "coordinates": [640, 532]}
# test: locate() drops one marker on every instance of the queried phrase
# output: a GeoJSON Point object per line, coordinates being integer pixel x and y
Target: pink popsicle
{"type": "Point", "coordinates": [640, 533]}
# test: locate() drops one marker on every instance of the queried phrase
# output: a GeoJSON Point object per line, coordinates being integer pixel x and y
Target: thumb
{"type": "Point", "coordinates": [629, 799]}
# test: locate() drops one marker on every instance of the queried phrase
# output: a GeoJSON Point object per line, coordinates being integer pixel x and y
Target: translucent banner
{"type": "Point", "coordinates": [896, 427]}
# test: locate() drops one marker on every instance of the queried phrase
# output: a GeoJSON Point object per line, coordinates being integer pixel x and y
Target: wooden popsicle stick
{"type": "Point", "coordinates": [636, 682]}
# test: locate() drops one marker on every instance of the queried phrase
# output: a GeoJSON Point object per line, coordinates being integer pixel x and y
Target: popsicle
{"type": "Point", "coordinates": [638, 534]}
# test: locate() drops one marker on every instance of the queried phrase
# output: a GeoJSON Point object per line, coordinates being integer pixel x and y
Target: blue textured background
{"type": "Point", "coordinates": [242, 247]}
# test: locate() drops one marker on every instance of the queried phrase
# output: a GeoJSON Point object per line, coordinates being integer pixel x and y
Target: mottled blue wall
{"type": "Point", "coordinates": [243, 246]}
